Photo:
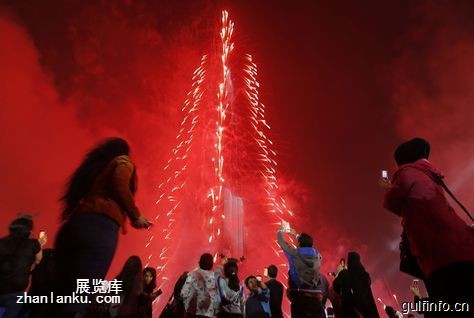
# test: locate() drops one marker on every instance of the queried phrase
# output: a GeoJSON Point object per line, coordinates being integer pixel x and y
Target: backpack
{"type": "Point", "coordinates": [311, 273]}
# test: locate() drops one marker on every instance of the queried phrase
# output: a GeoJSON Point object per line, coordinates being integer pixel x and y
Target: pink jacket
{"type": "Point", "coordinates": [436, 234]}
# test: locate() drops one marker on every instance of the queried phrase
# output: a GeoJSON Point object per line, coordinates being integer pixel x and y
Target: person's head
{"type": "Point", "coordinates": [304, 240]}
{"type": "Point", "coordinates": [272, 271]}
{"type": "Point", "coordinates": [230, 269]}
{"type": "Point", "coordinates": [353, 262]}
{"type": "Point", "coordinates": [132, 265]}
{"type": "Point", "coordinates": [21, 227]}
{"type": "Point", "coordinates": [96, 160]}
{"type": "Point", "coordinates": [230, 272]}
{"type": "Point", "coordinates": [206, 262]}
{"type": "Point", "coordinates": [342, 262]}
{"type": "Point", "coordinates": [411, 151]}
{"type": "Point", "coordinates": [131, 270]}
{"type": "Point", "coordinates": [149, 277]}
{"type": "Point", "coordinates": [390, 311]}
{"type": "Point", "coordinates": [252, 283]}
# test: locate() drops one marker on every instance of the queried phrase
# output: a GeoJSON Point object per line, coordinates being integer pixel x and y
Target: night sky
{"type": "Point", "coordinates": [344, 82]}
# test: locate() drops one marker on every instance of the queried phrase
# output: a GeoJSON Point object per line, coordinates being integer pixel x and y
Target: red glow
{"type": "Point", "coordinates": [228, 151]}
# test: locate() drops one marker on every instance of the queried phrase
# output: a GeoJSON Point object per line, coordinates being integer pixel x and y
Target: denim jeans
{"type": "Point", "coordinates": [11, 307]}
{"type": "Point", "coordinates": [85, 247]}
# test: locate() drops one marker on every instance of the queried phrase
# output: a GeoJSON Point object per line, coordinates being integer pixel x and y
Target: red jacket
{"type": "Point", "coordinates": [436, 234]}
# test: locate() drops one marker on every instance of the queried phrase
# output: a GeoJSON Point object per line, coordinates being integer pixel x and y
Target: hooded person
{"type": "Point", "coordinates": [441, 241]}
{"type": "Point", "coordinates": [304, 280]}
{"type": "Point", "coordinates": [353, 284]}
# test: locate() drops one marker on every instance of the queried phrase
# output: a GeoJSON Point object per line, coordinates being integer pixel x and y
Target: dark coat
{"type": "Point", "coordinates": [353, 284]}
{"type": "Point", "coordinates": [276, 297]}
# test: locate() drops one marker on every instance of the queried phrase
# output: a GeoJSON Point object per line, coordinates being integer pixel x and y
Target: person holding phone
{"type": "Point", "coordinates": [304, 279]}
{"type": "Point", "coordinates": [257, 304]}
{"type": "Point", "coordinates": [98, 200]}
{"type": "Point", "coordinates": [18, 253]}
{"type": "Point", "coordinates": [441, 241]}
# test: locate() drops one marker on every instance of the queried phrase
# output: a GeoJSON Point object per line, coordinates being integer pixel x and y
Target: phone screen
{"type": "Point", "coordinates": [285, 226]}
{"type": "Point", "coordinates": [384, 174]}
{"type": "Point", "coordinates": [42, 234]}
{"type": "Point", "coordinates": [265, 272]}
{"type": "Point", "coordinates": [259, 278]}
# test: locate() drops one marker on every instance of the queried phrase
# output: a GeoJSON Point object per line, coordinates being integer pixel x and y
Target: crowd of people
{"type": "Point", "coordinates": [437, 245]}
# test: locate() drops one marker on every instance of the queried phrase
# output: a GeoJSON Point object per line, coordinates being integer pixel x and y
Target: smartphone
{"type": "Point", "coordinates": [265, 272]}
{"type": "Point", "coordinates": [384, 174]}
{"type": "Point", "coordinates": [42, 234]}
{"type": "Point", "coordinates": [342, 262]}
{"type": "Point", "coordinates": [259, 278]}
{"type": "Point", "coordinates": [285, 226]}
{"type": "Point", "coordinates": [415, 282]}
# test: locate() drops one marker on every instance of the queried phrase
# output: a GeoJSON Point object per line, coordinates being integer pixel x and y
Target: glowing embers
{"type": "Point", "coordinates": [222, 169]}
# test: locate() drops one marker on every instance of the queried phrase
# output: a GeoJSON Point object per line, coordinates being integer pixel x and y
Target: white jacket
{"type": "Point", "coordinates": [199, 293]}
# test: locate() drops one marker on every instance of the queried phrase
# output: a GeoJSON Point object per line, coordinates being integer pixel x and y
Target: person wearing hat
{"type": "Point", "coordinates": [440, 240]}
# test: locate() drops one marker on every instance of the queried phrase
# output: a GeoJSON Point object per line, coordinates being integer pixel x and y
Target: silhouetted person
{"type": "Point", "coordinates": [441, 241]}
{"type": "Point", "coordinates": [132, 288]}
{"type": "Point", "coordinates": [276, 292]}
{"type": "Point", "coordinates": [179, 310]}
{"type": "Point", "coordinates": [353, 284]}
{"type": "Point", "coordinates": [392, 313]}
{"type": "Point", "coordinates": [18, 253]}
{"type": "Point", "coordinates": [43, 282]}
{"type": "Point", "coordinates": [98, 200]}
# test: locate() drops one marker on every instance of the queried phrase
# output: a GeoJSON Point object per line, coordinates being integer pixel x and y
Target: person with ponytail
{"type": "Point", "coordinates": [230, 291]}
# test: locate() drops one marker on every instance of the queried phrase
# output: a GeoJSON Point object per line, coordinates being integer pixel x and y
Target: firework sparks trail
{"type": "Point", "coordinates": [222, 143]}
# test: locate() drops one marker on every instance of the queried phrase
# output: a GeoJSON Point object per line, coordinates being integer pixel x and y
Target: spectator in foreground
{"type": "Point", "coordinates": [441, 241]}
{"type": "Point", "coordinates": [99, 198]}
{"type": "Point", "coordinates": [18, 253]}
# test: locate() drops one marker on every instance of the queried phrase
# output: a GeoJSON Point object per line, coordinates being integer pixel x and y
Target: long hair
{"type": "Point", "coordinates": [148, 288]}
{"type": "Point", "coordinates": [95, 161]}
{"type": "Point", "coordinates": [130, 274]}
{"type": "Point", "coordinates": [230, 271]}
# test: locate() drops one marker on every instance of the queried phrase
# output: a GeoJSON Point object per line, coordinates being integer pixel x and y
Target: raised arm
{"type": "Point", "coordinates": [396, 194]}
{"type": "Point", "coordinates": [284, 245]}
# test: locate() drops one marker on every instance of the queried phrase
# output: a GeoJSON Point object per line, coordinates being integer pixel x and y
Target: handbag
{"type": "Point", "coordinates": [408, 262]}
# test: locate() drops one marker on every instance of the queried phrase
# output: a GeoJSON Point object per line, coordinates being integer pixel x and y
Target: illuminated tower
{"type": "Point", "coordinates": [220, 192]}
